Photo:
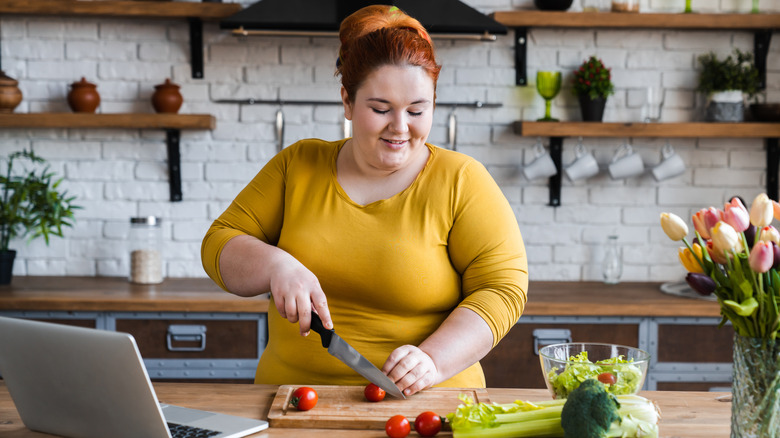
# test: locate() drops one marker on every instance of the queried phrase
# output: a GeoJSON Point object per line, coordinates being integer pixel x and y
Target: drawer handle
{"type": "Point", "coordinates": [186, 333]}
{"type": "Point", "coordinates": [544, 337]}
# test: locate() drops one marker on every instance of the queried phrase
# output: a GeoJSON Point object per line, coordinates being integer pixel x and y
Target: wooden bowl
{"type": "Point", "coordinates": [765, 112]}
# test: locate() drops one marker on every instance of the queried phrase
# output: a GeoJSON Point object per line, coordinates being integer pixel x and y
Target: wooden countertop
{"type": "Point", "coordinates": [545, 298]}
{"type": "Point", "coordinates": [683, 414]}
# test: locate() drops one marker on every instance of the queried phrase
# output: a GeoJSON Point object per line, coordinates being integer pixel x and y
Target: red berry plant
{"type": "Point", "coordinates": [593, 79]}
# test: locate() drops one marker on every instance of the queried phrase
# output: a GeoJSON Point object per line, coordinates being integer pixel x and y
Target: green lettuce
{"type": "Point", "coordinates": [627, 374]}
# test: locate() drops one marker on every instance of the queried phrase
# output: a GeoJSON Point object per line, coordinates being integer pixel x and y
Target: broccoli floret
{"type": "Point", "coordinates": [589, 411]}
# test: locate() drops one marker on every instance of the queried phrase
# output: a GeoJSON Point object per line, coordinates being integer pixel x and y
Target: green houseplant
{"type": "Point", "coordinates": [726, 83]}
{"type": "Point", "coordinates": [31, 205]}
{"type": "Point", "coordinates": [592, 84]}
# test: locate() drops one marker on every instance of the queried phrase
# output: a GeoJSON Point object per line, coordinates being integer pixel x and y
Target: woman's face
{"type": "Point", "coordinates": [391, 116]}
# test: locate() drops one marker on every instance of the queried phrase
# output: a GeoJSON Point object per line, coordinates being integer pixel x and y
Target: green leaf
{"type": "Point", "coordinates": [745, 308]}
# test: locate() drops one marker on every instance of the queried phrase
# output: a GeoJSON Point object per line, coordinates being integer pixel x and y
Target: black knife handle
{"type": "Point", "coordinates": [325, 334]}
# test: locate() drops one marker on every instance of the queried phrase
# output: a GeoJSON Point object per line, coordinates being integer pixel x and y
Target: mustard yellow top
{"type": "Point", "coordinates": [392, 270]}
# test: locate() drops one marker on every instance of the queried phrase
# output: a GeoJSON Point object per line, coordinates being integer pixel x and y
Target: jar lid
{"type": "Point", "coordinates": [146, 220]}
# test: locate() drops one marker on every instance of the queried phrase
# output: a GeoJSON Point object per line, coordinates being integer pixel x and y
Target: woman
{"type": "Point", "coordinates": [410, 251]}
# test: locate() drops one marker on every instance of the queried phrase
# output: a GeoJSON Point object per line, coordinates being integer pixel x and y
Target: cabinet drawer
{"type": "Point", "coordinates": [695, 343]}
{"type": "Point", "coordinates": [692, 386]}
{"type": "Point", "coordinates": [193, 338]}
{"type": "Point", "coordinates": [514, 363]}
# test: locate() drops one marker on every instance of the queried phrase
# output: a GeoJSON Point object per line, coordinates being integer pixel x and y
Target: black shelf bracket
{"type": "Point", "coordinates": [761, 40]}
{"type": "Point", "coordinates": [556, 152]}
{"type": "Point", "coordinates": [772, 167]}
{"type": "Point", "coordinates": [521, 48]}
{"type": "Point", "coordinates": [172, 140]}
{"type": "Point", "coordinates": [196, 47]}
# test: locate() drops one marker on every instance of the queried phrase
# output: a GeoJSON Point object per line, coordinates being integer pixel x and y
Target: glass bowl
{"type": "Point", "coordinates": [622, 369]}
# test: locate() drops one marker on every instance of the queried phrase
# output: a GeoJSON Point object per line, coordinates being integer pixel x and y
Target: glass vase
{"type": "Point", "coordinates": [755, 406]}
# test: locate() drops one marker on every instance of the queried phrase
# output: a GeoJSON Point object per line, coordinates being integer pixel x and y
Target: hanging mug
{"type": "Point", "coordinates": [584, 165]}
{"type": "Point", "coordinates": [542, 165]}
{"type": "Point", "coordinates": [626, 163]}
{"type": "Point", "coordinates": [670, 166]}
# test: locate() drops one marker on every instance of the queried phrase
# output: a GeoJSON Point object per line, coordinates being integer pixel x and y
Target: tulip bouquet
{"type": "Point", "coordinates": [735, 256]}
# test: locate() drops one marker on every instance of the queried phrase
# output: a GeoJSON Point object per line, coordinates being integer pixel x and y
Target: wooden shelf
{"type": "Point", "coordinates": [126, 121]}
{"type": "Point", "coordinates": [667, 130]}
{"type": "Point", "coordinates": [171, 123]}
{"type": "Point", "coordinates": [146, 9]}
{"type": "Point", "coordinates": [557, 131]}
{"type": "Point", "coordinates": [634, 21]}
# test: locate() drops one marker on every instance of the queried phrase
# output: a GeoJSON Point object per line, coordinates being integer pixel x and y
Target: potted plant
{"type": "Point", "coordinates": [727, 82]}
{"type": "Point", "coordinates": [592, 84]}
{"type": "Point", "coordinates": [31, 205]}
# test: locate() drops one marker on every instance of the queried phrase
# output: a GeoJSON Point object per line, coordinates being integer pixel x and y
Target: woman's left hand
{"type": "Point", "coordinates": [411, 369]}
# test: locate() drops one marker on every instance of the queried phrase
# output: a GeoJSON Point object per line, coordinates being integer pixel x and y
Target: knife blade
{"type": "Point", "coordinates": [341, 350]}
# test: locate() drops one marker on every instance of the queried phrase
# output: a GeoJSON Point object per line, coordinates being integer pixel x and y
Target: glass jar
{"type": "Point", "coordinates": [612, 268]}
{"type": "Point", "coordinates": [145, 255]}
{"type": "Point", "coordinates": [625, 5]}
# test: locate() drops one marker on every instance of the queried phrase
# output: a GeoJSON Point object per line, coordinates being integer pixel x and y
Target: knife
{"type": "Point", "coordinates": [344, 352]}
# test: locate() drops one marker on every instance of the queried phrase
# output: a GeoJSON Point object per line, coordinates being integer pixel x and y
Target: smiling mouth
{"type": "Point", "coordinates": [394, 142]}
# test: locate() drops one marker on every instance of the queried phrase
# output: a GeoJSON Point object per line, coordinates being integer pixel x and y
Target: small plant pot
{"type": "Point", "coordinates": [725, 106]}
{"type": "Point", "coordinates": [7, 266]}
{"type": "Point", "coordinates": [592, 109]}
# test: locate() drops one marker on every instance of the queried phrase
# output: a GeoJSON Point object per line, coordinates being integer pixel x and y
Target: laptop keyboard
{"type": "Point", "coordinates": [182, 431]}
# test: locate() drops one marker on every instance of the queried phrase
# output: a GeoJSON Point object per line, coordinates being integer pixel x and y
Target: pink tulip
{"type": "Point", "coordinates": [705, 219]}
{"type": "Point", "coordinates": [736, 215]}
{"type": "Point", "coordinates": [761, 257]}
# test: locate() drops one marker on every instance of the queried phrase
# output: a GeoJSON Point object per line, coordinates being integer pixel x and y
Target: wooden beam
{"type": "Point", "coordinates": [148, 9]}
{"type": "Point", "coordinates": [533, 18]}
{"type": "Point", "coordinates": [130, 120]}
{"type": "Point", "coordinates": [666, 130]}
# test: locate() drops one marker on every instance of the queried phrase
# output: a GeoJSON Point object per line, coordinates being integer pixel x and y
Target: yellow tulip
{"type": "Point", "coordinates": [724, 237]}
{"type": "Point", "coordinates": [689, 261]}
{"type": "Point", "coordinates": [674, 226]}
{"type": "Point", "coordinates": [761, 211]}
{"type": "Point", "coordinates": [770, 234]}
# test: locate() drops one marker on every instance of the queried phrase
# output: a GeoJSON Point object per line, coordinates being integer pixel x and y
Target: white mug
{"type": "Point", "coordinates": [542, 165]}
{"type": "Point", "coordinates": [670, 166]}
{"type": "Point", "coordinates": [626, 163]}
{"type": "Point", "coordinates": [584, 164]}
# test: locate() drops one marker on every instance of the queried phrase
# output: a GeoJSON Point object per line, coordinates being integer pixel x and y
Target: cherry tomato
{"type": "Point", "coordinates": [427, 424]}
{"type": "Point", "coordinates": [397, 427]}
{"type": "Point", "coordinates": [607, 378]}
{"type": "Point", "coordinates": [304, 398]}
{"type": "Point", "coordinates": [374, 393]}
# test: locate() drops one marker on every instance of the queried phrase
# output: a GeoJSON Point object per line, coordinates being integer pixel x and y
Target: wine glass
{"type": "Point", "coordinates": [548, 84]}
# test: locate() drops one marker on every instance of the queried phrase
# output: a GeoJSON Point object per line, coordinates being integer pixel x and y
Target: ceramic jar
{"type": "Point", "coordinates": [167, 98]}
{"type": "Point", "coordinates": [10, 95]}
{"type": "Point", "coordinates": [83, 97]}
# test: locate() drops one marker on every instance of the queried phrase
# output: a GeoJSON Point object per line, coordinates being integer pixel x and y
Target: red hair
{"type": "Point", "coordinates": [380, 35]}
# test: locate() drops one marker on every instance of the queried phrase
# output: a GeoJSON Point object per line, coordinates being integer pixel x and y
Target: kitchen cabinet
{"type": "Point", "coordinates": [184, 328]}
{"type": "Point", "coordinates": [688, 350]}
{"type": "Point", "coordinates": [195, 13]}
{"type": "Point", "coordinates": [171, 123]}
{"type": "Point", "coordinates": [686, 354]}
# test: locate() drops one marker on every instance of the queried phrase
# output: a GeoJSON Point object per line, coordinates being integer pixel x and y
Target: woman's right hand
{"type": "Point", "coordinates": [297, 292]}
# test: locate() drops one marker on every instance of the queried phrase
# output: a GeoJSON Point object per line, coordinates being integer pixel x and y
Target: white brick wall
{"type": "Point", "coordinates": [117, 174]}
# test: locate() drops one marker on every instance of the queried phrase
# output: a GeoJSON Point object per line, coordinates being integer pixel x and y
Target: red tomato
{"type": "Point", "coordinates": [427, 424]}
{"type": "Point", "coordinates": [607, 378]}
{"type": "Point", "coordinates": [397, 427]}
{"type": "Point", "coordinates": [304, 398]}
{"type": "Point", "coordinates": [374, 393]}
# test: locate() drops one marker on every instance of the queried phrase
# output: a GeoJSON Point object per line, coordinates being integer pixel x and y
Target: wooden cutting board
{"type": "Point", "coordinates": [345, 407]}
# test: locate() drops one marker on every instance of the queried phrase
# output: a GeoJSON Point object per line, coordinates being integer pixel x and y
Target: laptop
{"type": "Point", "coordinates": [84, 383]}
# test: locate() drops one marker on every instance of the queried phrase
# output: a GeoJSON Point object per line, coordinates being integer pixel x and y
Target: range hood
{"type": "Point", "coordinates": [442, 18]}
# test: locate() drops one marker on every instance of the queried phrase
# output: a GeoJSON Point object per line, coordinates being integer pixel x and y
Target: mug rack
{"type": "Point", "coordinates": [557, 131]}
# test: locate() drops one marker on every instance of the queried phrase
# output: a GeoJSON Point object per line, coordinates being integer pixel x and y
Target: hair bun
{"type": "Point", "coordinates": [375, 17]}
